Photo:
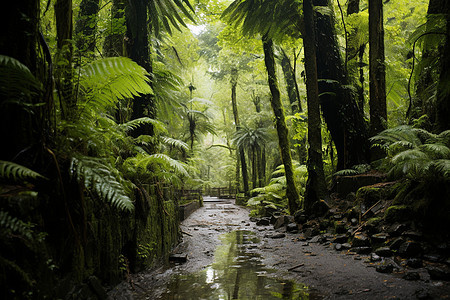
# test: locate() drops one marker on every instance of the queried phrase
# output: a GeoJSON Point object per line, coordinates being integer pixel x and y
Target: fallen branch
{"type": "Point", "coordinates": [186, 233]}
{"type": "Point", "coordinates": [295, 267]}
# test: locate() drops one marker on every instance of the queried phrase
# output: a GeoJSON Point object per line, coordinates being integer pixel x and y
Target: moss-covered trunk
{"type": "Point", "coordinates": [315, 187]}
{"type": "Point", "coordinates": [280, 124]}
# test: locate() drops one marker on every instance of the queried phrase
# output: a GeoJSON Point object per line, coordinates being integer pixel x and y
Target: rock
{"type": "Point", "coordinates": [340, 239]}
{"type": "Point", "coordinates": [374, 257]}
{"type": "Point", "coordinates": [292, 227]}
{"type": "Point", "coordinates": [338, 247]}
{"type": "Point", "coordinates": [95, 285]}
{"type": "Point", "coordinates": [263, 221]}
{"type": "Point", "coordinates": [346, 246]}
{"type": "Point", "coordinates": [410, 249]}
{"type": "Point", "coordinates": [280, 222]}
{"type": "Point", "coordinates": [362, 250]}
{"type": "Point", "coordinates": [354, 221]}
{"type": "Point", "coordinates": [379, 238]}
{"type": "Point", "coordinates": [310, 232]}
{"type": "Point", "coordinates": [385, 268]}
{"type": "Point", "coordinates": [300, 217]}
{"type": "Point", "coordinates": [417, 236]}
{"type": "Point", "coordinates": [414, 263]}
{"type": "Point", "coordinates": [318, 239]}
{"type": "Point", "coordinates": [384, 252]}
{"type": "Point", "coordinates": [423, 295]}
{"type": "Point", "coordinates": [320, 208]}
{"type": "Point", "coordinates": [180, 258]}
{"type": "Point", "coordinates": [350, 184]}
{"type": "Point", "coordinates": [253, 219]}
{"type": "Point", "coordinates": [338, 217]}
{"type": "Point", "coordinates": [438, 273]}
{"type": "Point", "coordinates": [433, 257]}
{"type": "Point", "coordinates": [411, 276]}
{"type": "Point", "coordinates": [398, 213]}
{"type": "Point", "coordinates": [340, 227]}
{"type": "Point", "coordinates": [278, 236]}
{"type": "Point", "coordinates": [360, 240]}
{"type": "Point", "coordinates": [395, 244]}
{"type": "Point", "coordinates": [397, 229]}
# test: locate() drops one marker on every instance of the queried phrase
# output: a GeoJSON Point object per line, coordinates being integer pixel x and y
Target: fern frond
{"type": "Point", "coordinates": [108, 80]}
{"type": "Point", "coordinates": [436, 151]}
{"type": "Point", "coordinates": [136, 123]}
{"type": "Point", "coordinates": [442, 166]}
{"type": "Point", "coordinates": [11, 224]}
{"type": "Point", "coordinates": [17, 84]}
{"type": "Point", "coordinates": [174, 143]}
{"type": "Point", "coordinates": [99, 177]}
{"type": "Point", "coordinates": [346, 172]}
{"type": "Point", "coordinates": [13, 171]}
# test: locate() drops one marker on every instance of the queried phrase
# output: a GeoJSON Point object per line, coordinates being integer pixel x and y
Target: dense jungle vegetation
{"type": "Point", "coordinates": [109, 108]}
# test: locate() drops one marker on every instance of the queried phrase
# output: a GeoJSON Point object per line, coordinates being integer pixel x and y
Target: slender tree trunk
{"type": "Point", "coordinates": [86, 26]}
{"type": "Point", "coordinates": [443, 92]}
{"type": "Point", "coordinates": [138, 49]}
{"type": "Point", "coordinates": [291, 86]}
{"type": "Point", "coordinates": [340, 110]}
{"type": "Point", "coordinates": [113, 45]}
{"type": "Point", "coordinates": [280, 124]}
{"type": "Point", "coordinates": [377, 68]}
{"type": "Point", "coordinates": [353, 8]}
{"type": "Point", "coordinates": [234, 78]}
{"type": "Point", "coordinates": [315, 187]}
{"type": "Point", "coordinates": [19, 22]}
{"type": "Point", "coordinates": [64, 30]}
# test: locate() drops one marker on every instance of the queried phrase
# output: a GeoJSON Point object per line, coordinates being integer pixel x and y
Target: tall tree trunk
{"type": "Point", "coordinates": [340, 110]}
{"type": "Point", "coordinates": [377, 68]}
{"type": "Point", "coordinates": [138, 49]}
{"type": "Point", "coordinates": [291, 86]}
{"type": "Point", "coordinates": [315, 187]}
{"type": "Point", "coordinates": [353, 8]}
{"type": "Point", "coordinates": [443, 92]}
{"type": "Point", "coordinates": [19, 22]}
{"type": "Point", "coordinates": [86, 27]}
{"type": "Point", "coordinates": [233, 80]}
{"type": "Point", "coordinates": [425, 87]}
{"type": "Point", "coordinates": [113, 45]}
{"type": "Point", "coordinates": [280, 124]}
{"type": "Point", "coordinates": [64, 31]}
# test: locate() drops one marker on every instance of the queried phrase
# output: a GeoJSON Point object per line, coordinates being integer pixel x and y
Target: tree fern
{"type": "Point", "coordinates": [105, 81]}
{"type": "Point", "coordinates": [99, 177]}
{"type": "Point", "coordinates": [10, 225]}
{"type": "Point", "coordinates": [16, 172]}
{"type": "Point", "coordinates": [415, 153]}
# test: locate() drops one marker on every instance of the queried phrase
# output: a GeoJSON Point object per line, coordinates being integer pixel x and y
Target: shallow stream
{"type": "Point", "coordinates": [237, 273]}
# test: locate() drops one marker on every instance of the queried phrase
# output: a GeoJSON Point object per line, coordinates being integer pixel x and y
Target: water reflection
{"type": "Point", "coordinates": [237, 273]}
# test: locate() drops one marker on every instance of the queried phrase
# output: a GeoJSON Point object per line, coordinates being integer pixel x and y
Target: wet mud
{"type": "Point", "coordinates": [229, 257]}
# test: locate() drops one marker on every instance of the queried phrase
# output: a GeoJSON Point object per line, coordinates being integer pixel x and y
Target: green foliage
{"type": "Point", "coordinates": [274, 17]}
{"type": "Point", "coordinates": [106, 81]}
{"type": "Point", "coordinates": [415, 153]}
{"type": "Point", "coordinates": [164, 14]}
{"type": "Point", "coordinates": [17, 83]}
{"type": "Point", "coordinates": [274, 194]}
{"type": "Point", "coordinates": [12, 225]}
{"type": "Point", "coordinates": [16, 172]}
{"type": "Point", "coordinates": [101, 178]}
{"type": "Point", "coordinates": [355, 170]}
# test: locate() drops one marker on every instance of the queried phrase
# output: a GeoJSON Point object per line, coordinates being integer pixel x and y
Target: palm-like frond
{"type": "Point", "coordinates": [133, 124]}
{"type": "Point", "coordinates": [101, 179]}
{"type": "Point", "coordinates": [164, 14]}
{"type": "Point", "coordinates": [174, 143]}
{"type": "Point", "coordinates": [276, 18]}
{"type": "Point", "coordinates": [10, 224]}
{"type": "Point", "coordinates": [108, 80]}
{"type": "Point", "coordinates": [17, 84]}
{"type": "Point", "coordinates": [16, 172]}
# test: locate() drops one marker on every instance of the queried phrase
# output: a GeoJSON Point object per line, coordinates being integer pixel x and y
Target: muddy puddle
{"type": "Point", "coordinates": [237, 273]}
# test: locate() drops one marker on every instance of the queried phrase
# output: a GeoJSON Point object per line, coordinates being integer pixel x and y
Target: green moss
{"type": "Point", "coordinates": [374, 221]}
{"type": "Point", "coordinates": [398, 213]}
{"type": "Point", "coordinates": [369, 195]}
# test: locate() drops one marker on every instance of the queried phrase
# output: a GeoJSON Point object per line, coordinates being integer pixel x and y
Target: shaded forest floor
{"type": "Point", "coordinates": [327, 273]}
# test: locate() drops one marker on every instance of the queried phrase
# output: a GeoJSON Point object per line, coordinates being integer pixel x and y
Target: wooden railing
{"type": "Point", "coordinates": [222, 192]}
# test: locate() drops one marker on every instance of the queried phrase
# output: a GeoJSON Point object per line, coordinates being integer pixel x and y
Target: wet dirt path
{"type": "Point", "coordinates": [326, 273]}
